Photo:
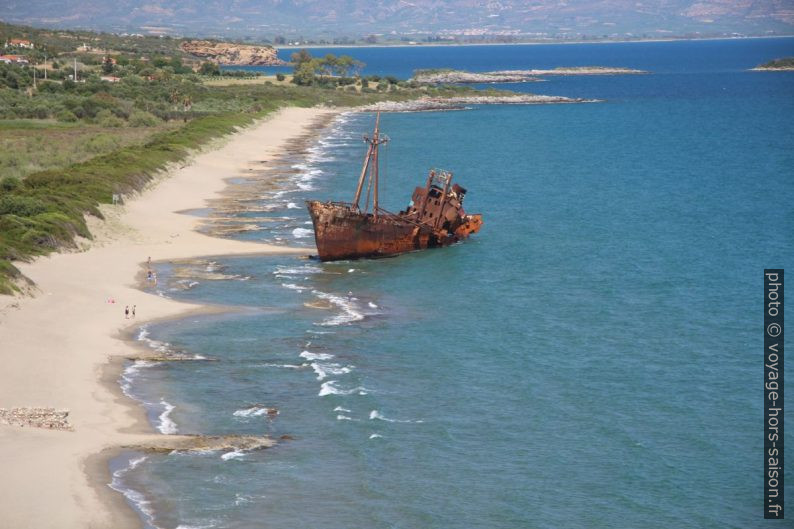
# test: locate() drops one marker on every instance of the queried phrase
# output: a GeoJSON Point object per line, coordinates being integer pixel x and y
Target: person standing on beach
{"type": "Point", "coordinates": [127, 312]}
{"type": "Point", "coordinates": [133, 311]}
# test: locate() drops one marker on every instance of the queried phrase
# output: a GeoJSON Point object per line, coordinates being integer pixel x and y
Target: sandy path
{"type": "Point", "coordinates": [55, 348]}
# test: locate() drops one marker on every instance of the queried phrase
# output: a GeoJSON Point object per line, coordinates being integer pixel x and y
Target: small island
{"type": "Point", "coordinates": [449, 76]}
{"type": "Point", "coordinates": [776, 65]}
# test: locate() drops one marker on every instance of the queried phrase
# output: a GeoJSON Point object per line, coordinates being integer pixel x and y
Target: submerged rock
{"type": "Point", "coordinates": [203, 443]}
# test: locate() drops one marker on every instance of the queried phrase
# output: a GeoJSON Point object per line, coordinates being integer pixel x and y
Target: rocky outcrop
{"type": "Point", "coordinates": [427, 104]}
{"type": "Point", "coordinates": [513, 76]}
{"type": "Point", "coordinates": [460, 77]}
{"type": "Point", "coordinates": [234, 54]}
{"type": "Point", "coordinates": [777, 65]}
{"type": "Point", "coordinates": [575, 70]}
{"type": "Point", "coordinates": [200, 443]}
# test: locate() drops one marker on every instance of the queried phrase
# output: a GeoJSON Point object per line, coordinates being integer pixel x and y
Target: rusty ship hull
{"type": "Point", "coordinates": [343, 233]}
{"type": "Point", "coordinates": [434, 217]}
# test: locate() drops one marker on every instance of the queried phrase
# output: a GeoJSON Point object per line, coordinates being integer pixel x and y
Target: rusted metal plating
{"type": "Point", "coordinates": [435, 217]}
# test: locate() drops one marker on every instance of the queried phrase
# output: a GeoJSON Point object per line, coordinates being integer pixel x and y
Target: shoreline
{"type": "Point", "coordinates": [66, 347]}
{"type": "Point", "coordinates": [529, 43]}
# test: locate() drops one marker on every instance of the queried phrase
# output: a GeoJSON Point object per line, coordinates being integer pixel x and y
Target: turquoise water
{"type": "Point", "coordinates": [592, 358]}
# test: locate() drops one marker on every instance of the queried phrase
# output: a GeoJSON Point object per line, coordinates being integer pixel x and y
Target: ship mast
{"type": "Point", "coordinates": [371, 163]}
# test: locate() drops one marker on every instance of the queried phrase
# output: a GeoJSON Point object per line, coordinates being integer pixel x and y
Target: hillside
{"type": "Point", "coordinates": [395, 19]}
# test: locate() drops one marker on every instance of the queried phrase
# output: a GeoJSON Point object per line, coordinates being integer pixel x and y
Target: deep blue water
{"type": "Point", "coordinates": [592, 358]}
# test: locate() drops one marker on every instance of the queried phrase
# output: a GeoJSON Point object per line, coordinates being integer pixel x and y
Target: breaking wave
{"type": "Point", "coordinates": [328, 388]}
{"type": "Point", "coordinates": [316, 356]}
{"type": "Point", "coordinates": [166, 426]}
{"type": "Point", "coordinates": [325, 370]}
{"type": "Point", "coordinates": [255, 411]}
{"type": "Point", "coordinates": [375, 414]}
{"type": "Point", "coordinates": [300, 233]}
{"type": "Point", "coordinates": [137, 499]}
{"type": "Point", "coordinates": [349, 308]}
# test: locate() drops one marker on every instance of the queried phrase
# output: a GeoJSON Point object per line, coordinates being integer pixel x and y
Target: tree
{"type": "Point", "coordinates": [300, 57]}
{"type": "Point", "coordinates": [107, 65]}
{"type": "Point", "coordinates": [304, 73]}
{"type": "Point", "coordinates": [209, 68]}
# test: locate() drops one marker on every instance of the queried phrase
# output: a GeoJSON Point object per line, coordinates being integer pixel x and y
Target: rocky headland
{"type": "Point", "coordinates": [445, 76]}
{"type": "Point", "coordinates": [233, 54]}
{"type": "Point", "coordinates": [427, 104]}
{"type": "Point", "coordinates": [777, 65]}
{"type": "Point", "coordinates": [461, 77]}
{"type": "Point", "coordinates": [575, 70]}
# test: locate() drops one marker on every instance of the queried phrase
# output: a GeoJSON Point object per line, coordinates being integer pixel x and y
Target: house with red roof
{"type": "Point", "coordinates": [19, 43]}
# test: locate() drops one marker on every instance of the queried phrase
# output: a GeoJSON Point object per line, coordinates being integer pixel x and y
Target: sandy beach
{"type": "Point", "coordinates": [64, 347]}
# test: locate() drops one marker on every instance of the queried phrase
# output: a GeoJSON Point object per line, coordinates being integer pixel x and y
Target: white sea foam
{"type": "Point", "coordinates": [325, 370]}
{"type": "Point", "coordinates": [351, 270]}
{"type": "Point", "coordinates": [136, 498]}
{"type": "Point", "coordinates": [316, 356]}
{"type": "Point", "coordinates": [297, 270]}
{"type": "Point", "coordinates": [293, 286]}
{"type": "Point", "coordinates": [287, 366]}
{"type": "Point", "coordinates": [129, 373]}
{"type": "Point", "coordinates": [375, 414]}
{"type": "Point", "coordinates": [167, 425]}
{"type": "Point", "coordinates": [340, 408]}
{"type": "Point", "coordinates": [254, 411]}
{"type": "Point", "coordinates": [341, 417]}
{"type": "Point", "coordinates": [375, 436]}
{"type": "Point", "coordinates": [328, 388]}
{"type": "Point", "coordinates": [300, 233]}
{"type": "Point", "coordinates": [236, 454]}
{"type": "Point", "coordinates": [241, 499]}
{"type": "Point", "coordinates": [349, 308]}
{"type": "Point", "coordinates": [372, 305]}
{"type": "Point", "coordinates": [293, 205]}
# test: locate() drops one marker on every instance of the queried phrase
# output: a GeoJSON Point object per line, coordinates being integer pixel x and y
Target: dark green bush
{"type": "Point", "coordinates": [20, 205]}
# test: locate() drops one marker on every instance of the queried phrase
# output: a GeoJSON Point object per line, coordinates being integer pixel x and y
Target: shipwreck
{"type": "Point", "coordinates": [434, 217]}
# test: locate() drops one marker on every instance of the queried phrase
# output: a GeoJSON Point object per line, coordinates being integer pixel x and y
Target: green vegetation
{"type": "Point", "coordinates": [327, 71]}
{"type": "Point", "coordinates": [787, 62]}
{"type": "Point", "coordinates": [66, 147]}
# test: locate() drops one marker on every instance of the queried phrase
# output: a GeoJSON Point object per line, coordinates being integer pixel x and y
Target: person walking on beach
{"type": "Point", "coordinates": [127, 312]}
{"type": "Point", "coordinates": [133, 311]}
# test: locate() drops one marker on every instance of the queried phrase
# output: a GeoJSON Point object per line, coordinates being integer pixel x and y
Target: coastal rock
{"type": "Point", "coordinates": [460, 77]}
{"type": "Point", "coordinates": [427, 104]}
{"type": "Point", "coordinates": [776, 65]}
{"type": "Point", "coordinates": [235, 54]}
{"type": "Point", "coordinates": [48, 418]}
{"type": "Point", "coordinates": [202, 443]}
{"type": "Point", "coordinates": [513, 76]}
{"type": "Point", "coordinates": [574, 70]}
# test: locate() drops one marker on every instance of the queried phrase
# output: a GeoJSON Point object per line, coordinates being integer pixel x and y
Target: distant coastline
{"type": "Point", "coordinates": [523, 43]}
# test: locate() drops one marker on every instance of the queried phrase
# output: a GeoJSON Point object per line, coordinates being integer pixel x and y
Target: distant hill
{"type": "Point", "coordinates": [264, 20]}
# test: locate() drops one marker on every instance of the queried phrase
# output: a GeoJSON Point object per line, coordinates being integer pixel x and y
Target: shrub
{"type": "Point", "coordinates": [66, 116]}
{"type": "Point", "coordinates": [280, 77]}
{"type": "Point", "coordinates": [9, 183]}
{"type": "Point", "coordinates": [102, 142]}
{"type": "Point", "coordinates": [141, 118]}
{"type": "Point", "coordinates": [105, 118]}
{"type": "Point", "coordinates": [21, 206]}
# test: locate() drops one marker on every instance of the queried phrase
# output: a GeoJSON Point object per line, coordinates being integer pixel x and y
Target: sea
{"type": "Point", "coordinates": [593, 358]}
